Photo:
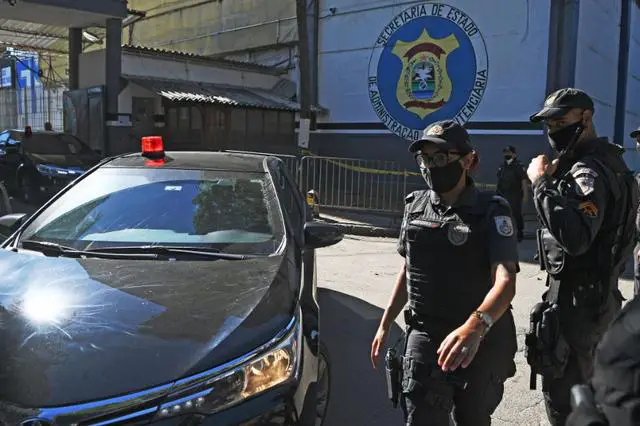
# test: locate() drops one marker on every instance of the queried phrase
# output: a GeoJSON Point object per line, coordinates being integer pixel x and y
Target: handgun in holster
{"type": "Point", "coordinates": [393, 370]}
{"type": "Point", "coordinates": [547, 351]}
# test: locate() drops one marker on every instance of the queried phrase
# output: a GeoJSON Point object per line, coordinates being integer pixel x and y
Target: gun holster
{"type": "Point", "coordinates": [393, 374]}
{"type": "Point", "coordinates": [547, 351]}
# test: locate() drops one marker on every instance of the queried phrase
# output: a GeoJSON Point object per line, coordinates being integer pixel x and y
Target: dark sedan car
{"type": "Point", "coordinates": [35, 165]}
{"type": "Point", "coordinates": [165, 288]}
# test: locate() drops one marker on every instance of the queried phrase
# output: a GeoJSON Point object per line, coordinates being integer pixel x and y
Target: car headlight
{"type": "Point", "coordinates": [210, 392]}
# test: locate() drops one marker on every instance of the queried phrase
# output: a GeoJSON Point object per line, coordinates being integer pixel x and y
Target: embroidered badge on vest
{"type": "Point", "coordinates": [504, 226]}
{"type": "Point", "coordinates": [458, 234]}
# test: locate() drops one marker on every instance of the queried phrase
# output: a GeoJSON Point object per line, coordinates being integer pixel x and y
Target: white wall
{"type": "Point", "coordinates": [632, 118]}
{"type": "Point", "coordinates": [125, 99]}
{"type": "Point", "coordinates": [92, 69]}
{"type": "Point", "coordinates": [175, 69]}
{"type": "Point", "coordinates": [597, 58]}
{"type": "Point", "coordinates": [515, 34]}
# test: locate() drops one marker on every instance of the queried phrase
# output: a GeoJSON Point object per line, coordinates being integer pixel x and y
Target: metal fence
{"type": "Point", "coordinates": [32, 106]}
{"type": "Point", "coordinates": [291, 161]}
{"type": "Point", "coordinates": [355, 184]}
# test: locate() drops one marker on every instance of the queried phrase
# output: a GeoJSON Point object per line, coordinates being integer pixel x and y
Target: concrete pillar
{"type": "Point", "coordinates": [113, 64]}
{"type": "Point", "coordinates": [75, 49]}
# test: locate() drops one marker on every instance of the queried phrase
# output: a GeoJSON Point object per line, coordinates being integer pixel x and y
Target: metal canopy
{"type": "Point", "coordinates": [43, 25]}
{"type": "Point", "coordinates": [189, 91]}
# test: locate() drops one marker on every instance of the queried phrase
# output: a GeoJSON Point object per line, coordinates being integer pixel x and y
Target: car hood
{"type": "Point", "coordinates": [76, 330]}
{"type": "Point", "coordinates": [82, 162]}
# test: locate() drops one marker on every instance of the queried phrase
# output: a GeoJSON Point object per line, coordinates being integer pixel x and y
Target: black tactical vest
{"type": "Point", "coordinates": [586, 269]}
{"type": "Point", "coordinates": [448, 270]}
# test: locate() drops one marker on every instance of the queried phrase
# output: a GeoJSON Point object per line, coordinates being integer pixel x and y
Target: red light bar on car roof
{"type": "Point", "coordinates": [152, 147]}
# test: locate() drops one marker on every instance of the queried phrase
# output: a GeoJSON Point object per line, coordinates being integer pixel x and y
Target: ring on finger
{"type": "Point", "coordinates": [464, 350]}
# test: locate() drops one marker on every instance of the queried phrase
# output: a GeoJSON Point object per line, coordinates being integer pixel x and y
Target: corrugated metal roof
{"type": "Point", "coordinates": [186, 91]}
{"type": "Point", "coordinates": [27, 35]}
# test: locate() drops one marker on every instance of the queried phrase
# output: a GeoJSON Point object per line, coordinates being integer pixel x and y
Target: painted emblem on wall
{"type": "Point", "coordinates": [429, 63]}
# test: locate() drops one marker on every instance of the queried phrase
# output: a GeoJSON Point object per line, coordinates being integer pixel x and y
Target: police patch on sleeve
{"type": "Point", "coordinates": [585, 180]}
{"type": "Point", "coordinates": [504, 225]}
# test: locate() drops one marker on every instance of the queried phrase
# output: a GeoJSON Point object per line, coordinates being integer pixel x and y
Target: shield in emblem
{"type": "Point", "coordinates": [423, 83]}
{"type": "Point", "coordinates": [458, 234]}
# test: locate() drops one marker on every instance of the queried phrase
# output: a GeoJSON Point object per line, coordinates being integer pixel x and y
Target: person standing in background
{"type": "Point", "coordinates": [513, 185]}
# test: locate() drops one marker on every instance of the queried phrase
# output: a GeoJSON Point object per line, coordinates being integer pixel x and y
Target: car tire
{"type": "Point", "coordinates": [323, 391]}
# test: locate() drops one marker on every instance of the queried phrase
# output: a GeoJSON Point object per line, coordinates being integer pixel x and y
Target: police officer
{"type": "Point", "coordinates": [458, 276]}
{"type": "Point", "coordinates": [583, 204]}
{"type": "Point", "coordinates": [636, 258]}
{"type": "Point", "coordinates": [513, 185]}
{"type": "Point", "coordinates": [612, 397]}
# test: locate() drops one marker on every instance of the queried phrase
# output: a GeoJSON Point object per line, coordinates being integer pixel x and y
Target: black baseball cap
{"type": "Point", "coordinates": [560, 102]}
{"type": "Point", "coordinates": [635, 133]}
{"type": "Point", "coordinates": [509, 148]}
{"type": "Point", "coordinates": [447, 134]}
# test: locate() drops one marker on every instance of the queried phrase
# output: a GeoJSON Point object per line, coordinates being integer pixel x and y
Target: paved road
{"type": "Point", "coordinates": [356, 277]}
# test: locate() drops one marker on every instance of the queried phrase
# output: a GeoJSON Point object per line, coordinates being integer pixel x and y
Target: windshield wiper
{"type": "Point", "coordinates": [173, 250]}
{"type": "Point", "coordinates": [52, 249]}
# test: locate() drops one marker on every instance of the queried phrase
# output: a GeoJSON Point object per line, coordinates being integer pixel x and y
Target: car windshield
{"type": "Point", "coordinates": [231, 212]}
{"type": "Point", "coordinates": [55, 144]}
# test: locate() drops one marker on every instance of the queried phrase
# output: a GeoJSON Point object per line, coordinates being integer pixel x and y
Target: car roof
{"type": "Point", "coordinates": [199, 160]}
{"type": "Point", "coordinates": [45, 132]}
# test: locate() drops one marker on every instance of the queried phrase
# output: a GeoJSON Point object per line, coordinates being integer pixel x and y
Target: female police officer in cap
{"type": "Point", "coordinates": [459, 277]}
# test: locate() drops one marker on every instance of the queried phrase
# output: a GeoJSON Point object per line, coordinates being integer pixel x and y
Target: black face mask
{"type": "Point", "coordinates": [561, 139]}
{"type": "Point", "coordinates": [443, 179]}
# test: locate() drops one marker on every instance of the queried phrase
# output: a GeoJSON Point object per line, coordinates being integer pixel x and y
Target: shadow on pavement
{"type": "Point", "coordinates": [358, 392]}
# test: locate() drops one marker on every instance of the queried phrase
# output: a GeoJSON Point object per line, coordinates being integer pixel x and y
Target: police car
{"type": "Point", "coordinates": [172, 288]}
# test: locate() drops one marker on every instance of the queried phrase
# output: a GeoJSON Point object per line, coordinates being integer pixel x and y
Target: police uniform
{"type": "Point", "coordinates": [636, 265]}
{"type": "Point", "coordinates": [510, 177]}
{"type": "Point", "coordinates": [449, 252]}
{"type": "Point", "coordinates": [575, 210]}
{"type": "Point", "coordinates": [615, 386]}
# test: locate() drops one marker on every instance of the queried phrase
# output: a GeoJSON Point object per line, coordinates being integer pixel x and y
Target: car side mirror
{"type": "Point", "coordinates": [9, 223]}
{"type": "Point", "coordinates": [319, 234]}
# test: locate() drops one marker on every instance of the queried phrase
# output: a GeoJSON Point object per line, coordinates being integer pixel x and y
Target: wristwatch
{"type": "Point", "coordinates": [485, 318]}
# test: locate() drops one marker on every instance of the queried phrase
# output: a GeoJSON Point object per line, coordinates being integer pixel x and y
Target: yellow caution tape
{"type": "Point", "coordinates": [308, 153]}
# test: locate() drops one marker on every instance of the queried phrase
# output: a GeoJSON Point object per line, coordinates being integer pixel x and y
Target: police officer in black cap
{"type": "Point", "coordinates": [513, 185]}
{"type": "Point", "coordinates": [459, 276]}
{"type": "Point", "coordinates": [636, 258]}
{"type": "Point", "coordinates": [586, 201]}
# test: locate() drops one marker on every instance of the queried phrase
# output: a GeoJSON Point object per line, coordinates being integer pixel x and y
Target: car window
{"type": "Point", "coordinates": [55, 144]}
{"type": "Point", "coordinates": [3, 138]}
{"type": "Point", "coordinates": [234, 212]}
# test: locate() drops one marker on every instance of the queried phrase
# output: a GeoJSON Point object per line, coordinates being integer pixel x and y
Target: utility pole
{"type": "Point", "coordinates": [305, 73]}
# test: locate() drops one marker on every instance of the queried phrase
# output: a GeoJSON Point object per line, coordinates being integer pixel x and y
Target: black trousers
{"type": "Point", "coordinates": [583, 330]}
{"type": "Point", "coordinates": [428, 396]}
